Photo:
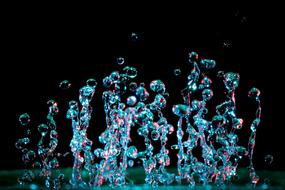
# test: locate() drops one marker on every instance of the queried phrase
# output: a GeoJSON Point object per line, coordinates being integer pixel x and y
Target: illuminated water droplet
{"type": "Point", "coordinates": [268, 159]}
{"type": "Point", "coordinates": [120, 60]}
{"type": "Point", "coordinates": [65, 84]}
{"type": "Point", "coordinates": [133, 86]}
{"type": "Point", "coordinates": [132, 152]}
{"type": "Point", "coordinates": [181, 110]}
{"type": "Point", "coordinates": [254, 93]}
{"type": "Point", "coordinates": [43, 129]}
{"type": "Point", "coordinates": [177, 72]}
{"type": "Point", "coordinates": [207, 63]}
{"type": "Point", "coordinates": [91, 82]}
{"type": "Point", "coordinates": [193, 57]}
{"type": "Point", "coordinates": [22, 143]}
{"type": "Point", "coordinates": [134, 36]}
{"type": "Point", "coordinates": [130, 71]}
{"type": "Point", "coordinates": [24, 119]}
{"type": "Point", "coordinates": [131, 100]}
{"type": "Point", "coordinates": [131, 163]}
{"type": "Point", "coordinates": [231, 80]}
{"type": "Point", "coordinates": [207, 94]}
{"type": "Point", "coordinates": [157, 86]}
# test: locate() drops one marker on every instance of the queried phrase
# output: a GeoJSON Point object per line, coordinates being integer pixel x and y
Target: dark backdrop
{"type": "Point", "coordinates": [46, 47]}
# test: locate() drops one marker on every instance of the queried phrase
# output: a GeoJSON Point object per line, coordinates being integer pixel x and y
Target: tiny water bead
{"type": "Point", "coordinates": [177, 72]}
{"type": "Point", "coordinates": [268, 159]}
{"type": "Point", "coordinates": [91, 82]}
{"type": "Point", "coordinates": [134, 36]}
{"type": "Point", "coordinates": [24, 119]}
{"type": "Point", "coordinates": [65, 84]}
{"type": "Point", "coordinates": [120, 60]}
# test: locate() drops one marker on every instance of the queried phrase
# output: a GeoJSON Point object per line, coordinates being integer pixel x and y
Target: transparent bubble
{"type": "Point", "coordinates": [157, 86]}
{"type": "Point", "coordinates": [132, 152]}
{"type": "Point", "coordinates": [155, 135]}
{"type": "Point", "coordinates": [177, 72]}
{"type": "Point", "coordinates": [43, 129]}
{"type": "Point", "coordinates": [29, 156]}
{"type": "Point", "coordinates": [85, 95]}
{"type": "Point", "coordinates": [160, 101]}
{"type": "Point", "coordinates": [268, 159]}
{"type": "Point", "coordinates": [120, 60]}
{"type": "Point", "coordinates": [24, 119]}
{"type": "Point", "coordinates": [131, 100]}
{"type": "Point", "coordinates": [91, 82]}
{"type": "Point", "coordinates": [65, 84]}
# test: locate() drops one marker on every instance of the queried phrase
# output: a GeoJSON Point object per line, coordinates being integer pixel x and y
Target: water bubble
{"type": "Point", "coordinates": [24, 119]}
{"type": "Point", "coordinates": [43, 129]}
{"type": "Point", "coordinates": [159, 101]}
{"type": "Point", "coordinates": [86, 94]}
{"type": "Point", "coordinates": [132, 152]}
{"type": "Point", "coordinates": [268, 159]}
{"type": "Point", "coordinates": [65, 84]}
{"type": "Point", "coordinates": [155, 135]}
{"type": "Point", "coordinates": [120, 60]}
{"type": "Point", "coordinates": [91, 82]}
{"type": "Point", "coordinates": [131, 100]}
{"type": "Point", "coordinates": [177, 72]}
{"type": "Point", "coordinates": [29, 156]}
{"type": "Point", "coordinates": [157, 86]}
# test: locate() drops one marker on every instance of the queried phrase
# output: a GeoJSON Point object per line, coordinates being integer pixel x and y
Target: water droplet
{"type": "Point", "coordinates": [120, 60]}
{"type": "Point", "coordinates": [268, 159]}
{"type": "Point", "coordinates": [43, 129]}
{"type": "Point", "coordinates": [131, 163]}
{"type": "Point", "coordinates": [131, 100]}
{"type": "Point", "coordinates": [207, 94]}
{"type": "Point", "coordinates": [177, 72]}
{"type": "Point", "coordinates": [254, 93]}
{"type": "Point", "coordinates": [231, 80]}
{"type": "Point", "coordinates": [65, 84]}
{"type": "Point", "coordinates": [130, 71]}
{"type": "Point", "coordinates": [193, 57]}
{"type": "Point", "coordinates": [91, 82]}
{"type": "Point", "coordinates": [134, 36]}
{"type": "Point", "coordinates": [207, 63]}
{"type": "Point", "coordinates": [132, 152]}
{"type": "Point", "coordinates": [181, 110]}
{"type": "Point", "coordinates": [157, 86]}
{"type": "Point", "coordinates": [21, 143]}
{"type": "Point", "coordinates": [133, 86]}
{"type": "Point", "coordinates": [24, 119]}
{"type": "Point", "coordinates": [142, 93]}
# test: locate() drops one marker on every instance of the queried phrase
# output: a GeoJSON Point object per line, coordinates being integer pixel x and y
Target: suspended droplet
{"type": "Point", "coordinates": [193, 57]}
{"type": "Point", "coordinates": [157, 86]}
{"type": "Point", "coordinates": [132, 152]}
{"type": "Point", "coordinates": [134, 37]}
{"type": "Point", "coordinates": [268, 159]}
{"type": "Point", "coordinates": [131, 100]}
{"type": "Point", "coordinates": [181, 110]}
{"type": "Point", "coordinates": [91, 82]}
{"type": "Point", "coordinates": [43, 129]}
{"type": "Point", "coordinates": [254, 93]}
{"type": "Point", "coordinates": [142, 93]}
{"type": "Point", "coordinates": [207, 63]}
{"type": "Point", "coordinates": [21, 143]}
{"type": "Point", "coordinates": [177, 72]}
{"type": "Point", "coordinates": [155, 135]}
{"type": "Point", "coordinates": [120, 60]}
{"type": "Point", "coordinates": [130, 71]}
{"type": "Point", "coordinates": [207, 94]}
{"type": "Point", "coordinates": [24, 119]}
{"type": "Point", "coordinates": [131, 163]}
{"type": "Point", "coordinates": [231, 80]}
{"type": "Point", "coordinates": [65, 84]}
{"type": "Point", "coordinates": [133, 86]}
{"type": "Point", "coordinates": [85, 95]}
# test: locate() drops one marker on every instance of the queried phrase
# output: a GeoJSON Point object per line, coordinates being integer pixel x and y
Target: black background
{"type": "Point", "coordinates": [48, 46]}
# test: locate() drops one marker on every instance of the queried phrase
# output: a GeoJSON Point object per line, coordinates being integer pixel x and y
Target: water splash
{"type": "Point", "coordinates": [131, 106]}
